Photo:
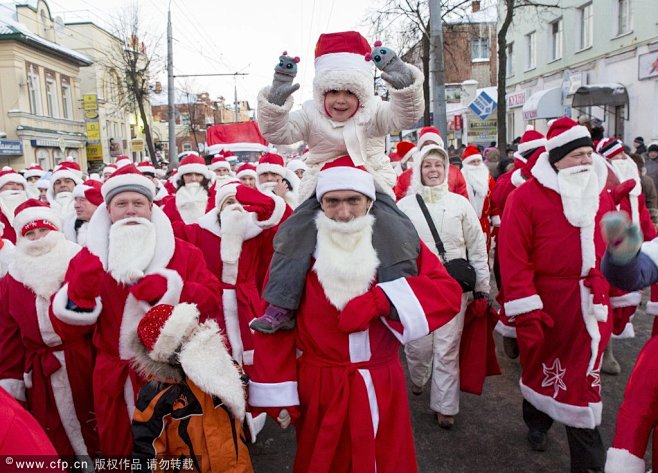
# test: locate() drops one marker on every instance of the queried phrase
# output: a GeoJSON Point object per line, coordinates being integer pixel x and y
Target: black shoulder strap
{"type": "Point", "coordinates": [430, 223]}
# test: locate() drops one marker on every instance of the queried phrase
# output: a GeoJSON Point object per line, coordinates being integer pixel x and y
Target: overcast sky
{"type": "Point", "coordinates": [226, 36]}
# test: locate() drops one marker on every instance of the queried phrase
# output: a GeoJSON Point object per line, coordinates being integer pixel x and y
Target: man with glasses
{"type": "Point", "coordinates": [554, 294]}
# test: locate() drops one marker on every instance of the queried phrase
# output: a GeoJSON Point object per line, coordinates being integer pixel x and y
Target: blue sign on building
{"type": "Point", "coordinates": [483, 105]}
{"type": "Point", "coordinates": [11, 148]}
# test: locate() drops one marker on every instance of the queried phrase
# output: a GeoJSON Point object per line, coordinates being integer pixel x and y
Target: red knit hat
{"type": "Point", "coordinates": [530, 141]}
{"type": "Point", "coordinates": [610, 147]}
{"type": "Point", "coordinates": [471, 153]}
{"type": "Point", "coordinates": [565, 135]}
{"type": "Point", "coordinates": [219, 161]}
{"type": "Point", "coordinates": [430, 133]}
{"type": "Point", "coordinates": [193, 163]}
{"type": "Point", "coordinates": [34, 170]}
{"type": "Point", "coordinates": [9, 175]}
{"type": "Point", "coordinates": [164, 327]}
{"type": "Point", "coordinates": [406, 150]}
{"type": "Point", "coordinates": [271, 162]}
{"type": "Point", "coordinates": [146, 166]}
{"type": "Point", "coordinates": [33, 214]}
{"type": "Point", "coordinates": [128, 179]}
{"type": "Point", "coordinates": [122, 160]}
{"type": "Point", "coordinates": [341, 175]}
{"type": "Point", "coordinates": [67, 170]}
{"type": "Point", "coordinates": [90, 190]}
{"type": "Point", "coordinates": [247, 169]}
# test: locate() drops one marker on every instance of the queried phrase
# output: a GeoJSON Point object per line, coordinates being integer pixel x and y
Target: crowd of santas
{"type": "Point", "coordinates": [207, 243]}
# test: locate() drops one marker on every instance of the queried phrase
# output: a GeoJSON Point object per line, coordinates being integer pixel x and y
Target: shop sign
{"type": "Point", "coordinates": [482, 131]}
{"type": "Point", "coordinates": [459, 122]}
{"type": "Point", "coordinates": [93, 131]}
{"type": "Point", "coordinates": [89, 102]}
{"type": "Point", "coordinates": [137, 146]}
{"type": "Point", "coordinates": [515, 100]}
{"type": "Point", "coordinates": [11, 148]}
{"type": "Point", "coordinates": [94, 152]}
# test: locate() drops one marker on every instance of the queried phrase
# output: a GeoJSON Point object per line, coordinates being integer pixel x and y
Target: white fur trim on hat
{"type": "Point", "coordinates": [80, 189]}
{"type": "Point", "coordinates": [36, 213]}
{"type": "Point", "coordinates": [471, 158]}
{"type": "Point", "coordinates": [345, 178]}
{"type": "Point", "coordinates": [194, 168]}
{"type": "Point", "coordinates": [430, 136]}
{"type": "Point", "coordinates": [33, 173]}
{"type": "Point", "coordinates": [409, 154]}
{"type": "Point", "coordinates": [224, 192]}
{"type": "Point", "coordinates": [416, 184]}
{"type": "Point", "coordinates": [268, 167]}
{"type": "Point", "coordinates": [342, 62]}
{"type": "Point", "coordinates": [356, 81]}
{"type": "Point", "coordinates": [128, 180]}
{"type": "Point", "coordinates": [150, 168]}
{"type": "Point", "coordinates": [65, 174]}
{"type": "Point", "coordinates": [13, 177]}
{"type": "Point", "coordinates": [296, 164]}
{"type": "Point", "coordinates": [528, 145]}
{"type": "Point", "coordinates": [574, 133]}
{"type": "Point", "coordinates": [218, 165]}
{"type": "Point", "coordinates": [246, 172]}
{"type": "Point", "coordinates": [183, 319]}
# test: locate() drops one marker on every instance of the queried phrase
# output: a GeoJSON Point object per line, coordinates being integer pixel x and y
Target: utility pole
{"type": "Point", "coordinates": [235, 98]}
{"type": "Point", "coordinates": [173, 152]}
{"type": "Point", "coordinates": [437, 68]}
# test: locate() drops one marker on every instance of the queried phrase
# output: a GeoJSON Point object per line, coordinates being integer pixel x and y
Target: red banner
{"type": "Point", "coordinates": [245, 132]}
{"type": "Point", "coordinates": [459, 123]}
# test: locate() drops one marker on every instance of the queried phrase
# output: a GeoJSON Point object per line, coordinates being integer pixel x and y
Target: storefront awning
{"type": "Point", "coordinates": [544, 104]}
{"type": "Point", "coordinates": [601, 95]}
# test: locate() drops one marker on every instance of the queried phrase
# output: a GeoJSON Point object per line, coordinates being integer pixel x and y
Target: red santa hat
{"type": "Point", "coordinates": [109, 168]}
{"type": "Point", "coordinates": [9, 175]}
{"type": "Point", "coordinates": [471, 153]}
{"type": "Point", "coordinates": [67, 170]}
{"type": "Point", "coordinates": [225, 191]}
{"type": "Point", "coordinates": [33, 214]}
{"type": "Point", "coordinates": [271, 162]}
{"type": "Point", "coordinates": [342, 175]}
{"type": "Point", "coordinates": [128, 179]}
{"type": "Point", "coordinates": [90, 190]}
{"type": "Point", "coordinates": [429, 134]}
{"type": "Point", "coordinates": [94, 176]}
{"type": "Point", "coordinates": [34, 170]}
{"type": "Point", "coordinates": [146, 166]}
{"type": "Point", "coordinates": [531, 140]}
{"type": "Point", "coordinates": [247, 169]}
{"type": "Point", "coordinates": [193, 163]}
{"type": "Point", "coordinates": [406, 150]}
{"type": "Point", "coordinates": [219, 161]}
{"type": "Point", "coordinates": [610, 147]}
{"type": "Point", "coordinates": [296, 164]}
{"type": "Point", "coordinates": [340, 65]}
{"type": "Point", "coordinates": [164, 327]}
{"type": "Point", "coordinates": [565, 135]}
{"type": "Point", "coordinates": [122, 160]}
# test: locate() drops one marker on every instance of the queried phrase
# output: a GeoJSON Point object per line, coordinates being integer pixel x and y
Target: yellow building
{"type": "Point", "coordinates": [40, 118]}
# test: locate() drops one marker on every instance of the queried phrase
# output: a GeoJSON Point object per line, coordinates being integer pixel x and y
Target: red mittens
{"type": "Point", "coordinates": [84, 276]}
{"type": "Point", "coordinates": [150, 289]}
{"type": "Point", "coordinates": [253, 200]}
{"type": "Point", "coordinates": [620, 192]}
{"type": "Point", "coordinates": [358, 312]}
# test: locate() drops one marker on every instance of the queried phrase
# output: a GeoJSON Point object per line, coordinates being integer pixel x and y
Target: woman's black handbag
{"type": "Point", "coordinates": [459, 268]}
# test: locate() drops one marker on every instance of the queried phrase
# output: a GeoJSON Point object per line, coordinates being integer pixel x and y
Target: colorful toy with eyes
{"type": "Point", "coordinates": [287, 65]}
{"type": "Point", "coordinates": [394, 70]}
{"type": "Point", "coordinates": [284, 73]}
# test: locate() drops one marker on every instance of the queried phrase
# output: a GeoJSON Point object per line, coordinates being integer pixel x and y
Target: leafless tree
{"type": "Point", "coordinates": [404, 23]}
{"type": "Point", "coordinates": [506, 9]}
{"type": "Point", "coordinates": [135, 55]}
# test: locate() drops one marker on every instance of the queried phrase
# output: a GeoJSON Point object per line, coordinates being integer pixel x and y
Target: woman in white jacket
{"type": "Point", "coordinates": [437, 354]}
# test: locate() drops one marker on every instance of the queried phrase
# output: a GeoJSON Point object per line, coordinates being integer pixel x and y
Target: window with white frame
{"type": "Point", "coordinates": [51, 94]}
{"type": "Point", "coordinates": [34, 88]}
{"type": "Point", "coordinates": [531, 50]}
{"type": "Point", "coordinates": [623, 16]}
{"type": "Point", "coordinates": [187, 146]}
{"type": "Point", "coordinates": [586, 26]}
{"type": "Point", "coordinates": [67, 98]}
{"type": "Point", "coordinates": [480, 49]}
{"type": "Point", "coordinates": [509, 63]}
{"type": "Point", "coordinates": [556, 39]}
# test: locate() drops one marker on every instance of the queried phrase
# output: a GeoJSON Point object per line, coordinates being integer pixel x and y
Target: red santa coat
{"type": "Point", "coordinates": [638, 416]}
{"type": "Point", "coordinates": [51, 373]}
{"type": "Point", "coordinates": [118, 313]}
{"type": "Point", "coordinates": [547, 264]}
{"type": "Point", "coordinates": [351, 387]}
{"type": "Point", "coordinates": [8, 232]}
{"type": "Point", "coordinates": [456, 182]}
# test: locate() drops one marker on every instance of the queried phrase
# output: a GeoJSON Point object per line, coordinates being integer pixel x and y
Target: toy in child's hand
{"type": "Point", "coordinates": [284, 73]}
{"type": "Point", "coordinates": [394, 70]}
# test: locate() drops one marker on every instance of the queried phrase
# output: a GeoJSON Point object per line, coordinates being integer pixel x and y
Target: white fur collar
{"type": "Point", "coordinates": [210, 222]}
{"type": "Point", "coordinates": [517, 178]}
{"type": "Point", "coordinates": [99, 229]}
{"type": "Point", "coordinates": [547, 177]}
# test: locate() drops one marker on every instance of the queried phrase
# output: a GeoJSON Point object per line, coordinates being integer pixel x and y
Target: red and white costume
{"type": "Point", "coordinates": [479, 185]}
{"type": "Point", "coordinates": [117, 311]}
{"type": "Point", "coordinates": [9, 201]}
{"type": "Point", "coordinates": [62, 202]}
{"type": "Point", "coordinates": [550, 265]}
{"type": "Point", "coordinates": [51, 373]}
{"type": "Point", "coordinates": [191, 201]}
{"type": "Point", "coordinates": [271, 162]}
{"type": "Point", "coordinates": [638, 416]}
{"type": "Point", "coordinates": [90, 190]}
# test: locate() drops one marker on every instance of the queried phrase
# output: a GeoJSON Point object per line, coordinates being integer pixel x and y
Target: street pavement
{"type": "Point", "coordinates": [489, 434]}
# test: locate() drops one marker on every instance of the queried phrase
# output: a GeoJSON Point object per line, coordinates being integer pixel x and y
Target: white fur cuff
{"type": "Point", "coordinates": [622, 461]}
{"type": "Point", "coordinates": [277, 213]}
{"type": "Point", "coordinates": [273, 394]}
{"type": "Point", "coordinates": [184, 318]}
{"type": "Point", "coordinates": [174, 286]}
{"type": "Point", "coordinates": [15, 387]}
{"type": "Point", "coordinates": [523, 305]}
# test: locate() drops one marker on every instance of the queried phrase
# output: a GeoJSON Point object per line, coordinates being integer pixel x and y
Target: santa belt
{"type": "Point", "coordinates": [348, 403]}
{"type": "Point", "coordinates": [594, 281]}
{"type": "Point", "coordinates": [44, 355]}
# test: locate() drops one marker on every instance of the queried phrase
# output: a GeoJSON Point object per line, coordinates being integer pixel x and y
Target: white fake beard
{"type": "Point", "coordinates": [131, 249]}
{"type": "Point", "coordinates": [234, 221]}
{"type": "Point", "coordinates": [191, 201]}
{"type": "Point", "coordinates": [41, 264]}
{"type": "Point", "coordinates": [579, 191]}
{"type": "Point", "coordinates": [32, 191]}
{"type": "Point", "coordinates": [63, 205]}
{"type": "Point", "coordinates": [81, 236]}
{"type": "Point", "coordinates": [266, 187]}
{"type": "Point", "coordinates": [477, 180]}
{"type": "Point", "coordinates": [346, 262]}
{"type": "Point", "coordinates": [627, 169]}
{"type": "Point", "coordinates": [207, 364]}
{"type": "Point", "coordinates": [9, 200]}
{"type": "Point", "coordinates": [221, 180]}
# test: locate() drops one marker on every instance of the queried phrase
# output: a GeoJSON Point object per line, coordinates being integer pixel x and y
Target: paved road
{"type": "Point", "coordinates": [489, 434]}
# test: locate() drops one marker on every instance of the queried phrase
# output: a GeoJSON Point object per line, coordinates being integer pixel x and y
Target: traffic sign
{"type": "Point", "coordinates": [483, 105]}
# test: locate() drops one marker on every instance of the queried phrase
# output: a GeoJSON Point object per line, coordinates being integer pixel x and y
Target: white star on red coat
{"type": "Point", "coordinates": [596, 381]}
{"type": "Point", "coordinates": [554, 376]}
